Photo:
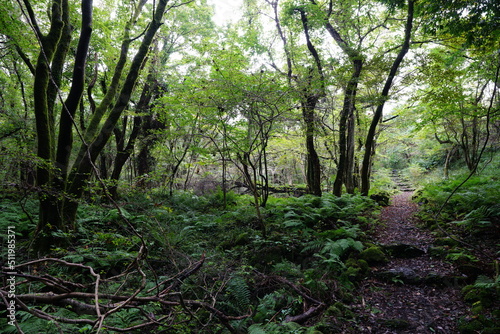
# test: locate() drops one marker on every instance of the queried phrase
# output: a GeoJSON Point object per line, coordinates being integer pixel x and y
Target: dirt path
{"type": "Point", "coordinates": [414, 292]}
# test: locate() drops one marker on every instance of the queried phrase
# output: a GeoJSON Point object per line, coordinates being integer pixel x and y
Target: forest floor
{"type": "Point", "coordinates": [413, 292]}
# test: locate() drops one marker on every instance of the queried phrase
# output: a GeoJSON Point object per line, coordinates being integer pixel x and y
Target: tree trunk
{"type": "Point", "coordinates": [124, 152]}
{"type": "Point", "coordinates": [346, 131]}
{"type": "Point", "coordinates": [313, 166]}
{"type": "Point", "coordinates": [345, 167]}
{"type": "Point", "coordinates": [48, 72]}
{"type": "Point", "coordinates": [350, 182]}
{"type": "Point", "coordinates": [370, 137]}
{"type": "Point", "coordinates": [59, 196]}
{"type": "Point", "coordinates": [311, 97]}
{"type": "Point", "coordinates": [83, 165]}
{"type": "Point", "coordinates": [449, 156]}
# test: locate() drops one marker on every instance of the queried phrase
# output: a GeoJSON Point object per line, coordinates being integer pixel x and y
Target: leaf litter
{"type": "Point", "coordinates": [423, 294]}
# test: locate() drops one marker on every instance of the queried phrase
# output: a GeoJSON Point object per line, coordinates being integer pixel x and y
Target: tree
{"type": "Point", "coordinates": [460, 114]}
{"type": "Point", "coordinates": [62, 184]}
{"type": "Point", "coordinates": [370, 137]}
{"type": "Point", "coordinates": [345, 166]}
{"type": "Point", "coordinates": [476, 21]}
{"type": "Point", "coordinates": [309, 83]}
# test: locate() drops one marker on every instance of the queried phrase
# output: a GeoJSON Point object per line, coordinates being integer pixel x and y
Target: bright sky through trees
{"type": "Point", "coordinates": [226, 10]}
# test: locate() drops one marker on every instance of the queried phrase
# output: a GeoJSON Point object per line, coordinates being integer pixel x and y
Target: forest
{"type": "Point", "coordinates": [253, 166]}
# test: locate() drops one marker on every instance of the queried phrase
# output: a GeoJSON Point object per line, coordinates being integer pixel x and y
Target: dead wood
{"type": "Point", "coordinates": [75, 297]}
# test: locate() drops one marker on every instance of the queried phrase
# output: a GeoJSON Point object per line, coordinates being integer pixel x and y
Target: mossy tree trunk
{"type": "Point", "coordinates": [83, 165]}
{"type": "Point", "coordinates": [50, 63]}
{"type": "Point", "coordinates": [345, 166]}
{"type": "Point", "coordinates": [62, 185]}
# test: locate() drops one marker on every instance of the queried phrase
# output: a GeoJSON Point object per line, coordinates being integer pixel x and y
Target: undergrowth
{"type": "Point", "coordinates": [467, 228]}
{"type": "Point", "coordinates": [311, 247]}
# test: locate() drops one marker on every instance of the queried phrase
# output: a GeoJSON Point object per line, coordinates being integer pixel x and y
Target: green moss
{"type": "Point", "coordinates": [470, 327]}
{"type": "Point", "coordinates": [479, 324]}
{"type": "Point", "coordinates": [438, 251]}
{"type": "Point", "coordinates": [356, 269]}
{"type": "Point", "coordinates": [381, 197]}
{"type": "Point", "coordinates": [373, 255]}
{"type": "Point", "coordinates": [339, 310]}
{"type": "Point", "coordinates": [446, 242]}
{"type": "Point", "coordinates": [473, 295]}
{"type": "Point", "coordinates": [477, 308]}
{"type": "Point", "coordinates": [333, 311]}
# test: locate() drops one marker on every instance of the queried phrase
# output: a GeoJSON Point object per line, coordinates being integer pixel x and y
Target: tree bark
{"type": "Point", "coordinates": [124, 152]}
{"type": "Point", "coordinates": [346, 131]}
{"type": "Point", "coordinates": [313, 166]}
{"type": "Point", "coordinates": [65, 139]}
{"type": "Point", "coordinates": [310, 99]}
{"type": "Point", "coordinates": [43, 104]}
{"type": "Point", "coordinates": [345, 166]}
{"type": "Point", "coordinates": [60, 191]}
{"type": "Point", "coordinates": [83, 165]}
{"type": "Point", "coordinates": [370, 137]}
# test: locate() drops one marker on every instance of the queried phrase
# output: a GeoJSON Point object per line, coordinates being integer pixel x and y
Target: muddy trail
{"type": "Point", "coordinates": [412, 291]}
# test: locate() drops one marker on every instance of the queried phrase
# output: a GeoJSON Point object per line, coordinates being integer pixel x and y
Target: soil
{"type": "Point", "coordinates": [414, 292]}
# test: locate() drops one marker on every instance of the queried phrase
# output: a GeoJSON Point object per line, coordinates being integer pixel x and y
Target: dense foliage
{"type": "Point", "coordinates": [313, 244]}
{"type": "Point", "coordinates": [167, 169]}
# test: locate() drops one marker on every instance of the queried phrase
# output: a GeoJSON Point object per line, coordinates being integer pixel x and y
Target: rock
{"type": "Point", "coordinates": [373, 256]}
{"type": "Point", "coordinates": [437, 251]}
{"type": "Point", "coordinates": [409, 276]}
{"type": "Point", "coordinates": [404, 251]}
{"type": "Point", "coordinates": [471, 270]}
{"type": "Point", "coordinates": [400, 274]}
{"type": "Point", "coordinates": [446, 241]}
{"type": "Point", "coordinates": [444, 280]}
{"type": "Point", "coordinates": [382, 198]}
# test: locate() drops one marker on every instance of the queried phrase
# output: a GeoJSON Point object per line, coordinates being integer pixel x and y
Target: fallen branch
{"type": "Point", "coordinates": [311, 312]}
{"type": "Point", "coordinates": [296, 288]}
{"type": "Point", "coordinates": [65, 294]}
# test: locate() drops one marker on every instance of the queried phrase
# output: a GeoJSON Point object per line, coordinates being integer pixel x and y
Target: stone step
{"type": "Point", "coordinates": [407, 275]}
{"type": "Point", "coordinates": [403, 251]}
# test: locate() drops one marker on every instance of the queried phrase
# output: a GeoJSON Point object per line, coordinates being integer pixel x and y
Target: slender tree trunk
{"type": "Point", "coordinates": [84, 162]}
{"type": "Point", "coordinates": [123, 154]}
{"type": "Point", "coordinates": [345, 165]}
{"type": "Point", "coordinates": [346, 131]}
{"type": "Point", "coordinates": [370, 137]}
{"type": "Point", "coordinates": [311, 97]}
{"type": "Point", "coordinates": [245, 163]}
{"type": "Point", "coordinates": [313, 166]}
{"type": "Point", "coordinates": [125, 151]}
{"type": "Point", "coordinates": [350, 182]}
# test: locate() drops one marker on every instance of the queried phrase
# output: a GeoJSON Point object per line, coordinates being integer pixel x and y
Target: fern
{"type": "Point", "coordinates": [485, 282]}
{"type": "Point", "coordinates": [284, 328]}
{"type": "Point", "coordinates": [237, 295]}
{"type": "Point", "coordinates": [314, 246]}
{"type": "Point", "coordinates": [343, 232]}
{"type": "Point", "coordinates": [338, 247]}
{"type": "Point", "coordinates": [341, 246]}
{"type": "Point", "coordinates": [257, 329]}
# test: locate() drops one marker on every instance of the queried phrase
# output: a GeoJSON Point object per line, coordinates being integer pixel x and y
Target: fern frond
{"type": "Point", "coordinates": [238, 293]}
{"type": "Point", "coordinates": [314, 246]}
